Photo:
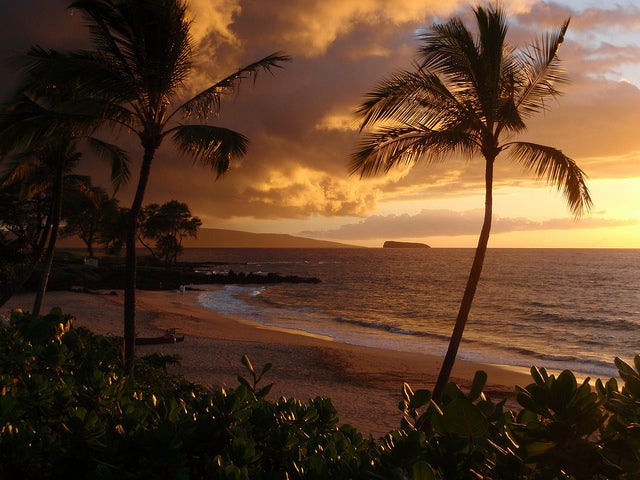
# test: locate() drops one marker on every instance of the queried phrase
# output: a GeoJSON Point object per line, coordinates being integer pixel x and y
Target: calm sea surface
{"type": "Point", "coordinates": [557, 309]}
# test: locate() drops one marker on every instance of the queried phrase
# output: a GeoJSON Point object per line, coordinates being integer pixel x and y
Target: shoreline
{"type": "Point", "coordinates": [364, 383]}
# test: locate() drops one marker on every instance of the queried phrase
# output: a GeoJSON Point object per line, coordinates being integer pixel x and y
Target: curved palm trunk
{"type": "Point", "coordinates": [48, 264]}
{"type": "Point", "coordinates": [56, 214]}
{"type": "Point", "coordinates": [130, 268]}
{"type": "Point", "coordinates": [470, 290]}
{"type": "Point", "coordinates": [89, 243]}
{"type": "Point", "coordinates": [9, 290]}
{"type": "Point", "coordinates": [146, 245]}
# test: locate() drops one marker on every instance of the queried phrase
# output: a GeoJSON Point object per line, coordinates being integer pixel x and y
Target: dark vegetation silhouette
{"type": "Point", "coordinates": [41, 129]}
{"type": "Point", "coordinates": [87, 211]}
{"type": "Point", "coordinates": [69, 410]}
{"type": "Point", "coordinates": [468, 94]}
{"type": "Point", "coordinates": [69, 406]}
{"type": "Point", "coordinates": [167, 225]}
{"type": "Point", "coordinates": [142, 53]}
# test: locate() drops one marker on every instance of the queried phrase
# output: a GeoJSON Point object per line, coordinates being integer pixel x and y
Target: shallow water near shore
{"type": "Point", "coordinates": [553, 308]}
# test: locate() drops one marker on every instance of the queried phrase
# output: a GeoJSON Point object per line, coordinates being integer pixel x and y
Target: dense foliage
{"type": "Point", "coordinates": [68, 411]}
{"type": "Point", "coordinates": [167, 225]}
{"type": "Point", "coordinates": [89, 212]}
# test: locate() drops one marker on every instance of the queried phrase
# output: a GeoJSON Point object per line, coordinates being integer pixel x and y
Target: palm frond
{"type": "Point", "coordinates": [148, 41]}
{"type": "Point", "coordinates": [212, 146]}
{"type": "Point", "coordinates": [42, 69]}
{"type": "Point", "coordinates": [207, 103]}
{"type": "Point", "coordinates": [449, 50]}
{"type": "Point", "coordinates": [557, 169]}
{"type": "Point", "coordinates": [539, 72]}
{"type": "Point", "coordinates": [492, 31]}
{"type": "Point", "coordinates": [508, 117]}
{"type": "Point", "coordinates": [77, 86]}
{"type": "Point", "coordinates": [19, 167]}
{"type": "Point", "coordinates": [390, 147]}
{"type": "Point", "coordinates": [472, 66]}
{"type": "Point", "coordinates": [22, 123]}
{"type": "Point", "coordinates": [410, 98]}
{"type": "Point", "coordinates": [117, 158]}
{"type": "Point", "coordinates": [78, 73]}
{"type": "Point", "coordinates": [26, 123]}
{"type": "Point", "coordinates": [108, 27]}
{"type": "Point", "coordinates": [32, 171]}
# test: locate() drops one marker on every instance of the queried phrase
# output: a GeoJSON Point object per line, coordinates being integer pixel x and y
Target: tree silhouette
{"type": "Point", "coordinates": [84, 210]}
{"type": "Point", "coordinates": [167, 224]}
{"type": "Point", "coordinates": [41, 129]}
{"type": "Point", "coordinates": [142, 54]}
{"type": "Point", "coordinates": [467, 95]}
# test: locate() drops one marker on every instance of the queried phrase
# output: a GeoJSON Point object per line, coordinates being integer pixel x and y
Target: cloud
{"type": "Point", "coordinates": [429, 223]}
{"type": "Point", "coordinates": [302, 131]}
{"type": "Point", "coordinates": [300, 121]}
{"type": "Point", "coordinates": [310, 28]}
{"type": "Point", "coordinates": [213, 20]}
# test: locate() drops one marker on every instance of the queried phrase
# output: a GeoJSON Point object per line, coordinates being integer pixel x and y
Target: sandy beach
{"type": "Point", "coordinates": [364, 383]}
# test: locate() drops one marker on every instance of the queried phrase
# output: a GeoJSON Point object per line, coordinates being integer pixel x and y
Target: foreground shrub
{"type": "Point", "coordinates": [563, 430]}
{"type": "Point", "coordinates": [68, 411]}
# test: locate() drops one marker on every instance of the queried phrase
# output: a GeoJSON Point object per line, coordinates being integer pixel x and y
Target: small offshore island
{"type": "Point", "coordinates": [392, 244]}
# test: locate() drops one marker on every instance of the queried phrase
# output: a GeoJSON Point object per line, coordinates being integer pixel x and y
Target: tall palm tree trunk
{"type": "Point", "coordinates": [9, 290]}
{"type": "Point", "coordinates": [56, 214]}
{"type": "Point", "coordinates": [130, 267]}
{"type": "Point", "coordinates": [46, 272]}
{"type": "Point", "coordinates": [90, 247]}
{"type": "Point", "coordinates": [470, 289]}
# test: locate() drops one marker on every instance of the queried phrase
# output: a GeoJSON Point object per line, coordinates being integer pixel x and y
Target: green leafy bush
{"type": "Point", "coordinates": [564, 430]}
{"type": "Point", "coordinates": [68, 411]}
{"type": "Point", "coordinates": [556, 427]}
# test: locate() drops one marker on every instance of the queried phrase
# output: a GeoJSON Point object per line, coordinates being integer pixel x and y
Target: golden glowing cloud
{"type": "Point", "coordinates": [302, 130]}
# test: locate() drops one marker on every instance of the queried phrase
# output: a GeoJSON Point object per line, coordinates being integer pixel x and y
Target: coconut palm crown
{"type": "Point", "coordinates": [142, 55]}
{"type": "Point", "coordinates": [467, 96]}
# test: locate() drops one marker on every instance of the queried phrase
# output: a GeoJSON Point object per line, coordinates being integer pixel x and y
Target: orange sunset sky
{"type": "Point", "coordinates": [301, 126]}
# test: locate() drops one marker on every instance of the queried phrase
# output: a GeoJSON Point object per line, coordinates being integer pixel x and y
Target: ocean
{"type": "Point", "coordinates": [552, 308]}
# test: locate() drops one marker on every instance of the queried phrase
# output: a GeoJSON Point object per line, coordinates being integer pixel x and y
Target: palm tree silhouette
{"type": "Point", "coordinates": [39, 140]}
{"type": "Point", "coordinates": [466, 95]}
{"type": "Point", "coordinates": [142, 54]}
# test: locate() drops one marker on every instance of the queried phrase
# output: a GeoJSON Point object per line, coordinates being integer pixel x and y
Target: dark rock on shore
{"type": "Point", "coordinates": [172, 279]}
{"type": "Point", "coordinates": [111, 277]}
{"type": "Point", "coordinates": [392, 244]}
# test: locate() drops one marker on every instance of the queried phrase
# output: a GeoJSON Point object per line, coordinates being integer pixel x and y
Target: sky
{"type": "Point", "coordinates": [302, 128]}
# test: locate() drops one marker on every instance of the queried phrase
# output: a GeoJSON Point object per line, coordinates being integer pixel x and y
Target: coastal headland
{"type": "Point", "coordinates": [365, 384]}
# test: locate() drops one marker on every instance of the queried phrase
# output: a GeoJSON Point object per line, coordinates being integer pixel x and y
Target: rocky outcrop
{"type": "Point", "coordinates": [89, 279]}
{"type": "Point", "coordinates": [392, 244]}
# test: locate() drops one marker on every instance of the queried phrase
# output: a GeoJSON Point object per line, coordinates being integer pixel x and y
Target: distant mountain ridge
{"type": "Point", "coordinates": [221, 238]}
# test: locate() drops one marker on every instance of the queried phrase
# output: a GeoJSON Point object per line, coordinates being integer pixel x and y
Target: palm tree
{"type": "Point", "coordinates": [466, 97]}
{"type": "Point", "coordinates": [39, 138]}
{"type": "Point", "coordinates": [40, 171]}
{"type": "Point", "coordinates": [142, 56]}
